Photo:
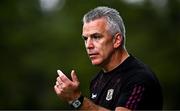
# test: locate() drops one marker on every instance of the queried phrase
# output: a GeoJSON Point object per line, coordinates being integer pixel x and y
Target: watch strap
{"type": "Point", "coordinates": [77, 103]}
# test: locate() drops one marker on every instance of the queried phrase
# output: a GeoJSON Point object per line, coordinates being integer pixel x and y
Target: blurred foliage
{"type": "Point", "coordinates": [34, 43]}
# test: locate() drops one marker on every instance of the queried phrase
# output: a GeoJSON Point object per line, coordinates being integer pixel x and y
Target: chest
{"type": "Point", "coordinates": [105, 91]}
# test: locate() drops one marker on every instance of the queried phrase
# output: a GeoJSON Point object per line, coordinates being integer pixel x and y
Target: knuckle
{"type": "Point", "coordinates": [77, 84]}
{"type": "Point", "coordinates": [64, 86]}
{"type": "Point", "coordinates": [57, 78]}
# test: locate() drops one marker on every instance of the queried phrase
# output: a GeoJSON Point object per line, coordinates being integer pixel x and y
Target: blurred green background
{"type": "Point", "coordinates": [37, 37]}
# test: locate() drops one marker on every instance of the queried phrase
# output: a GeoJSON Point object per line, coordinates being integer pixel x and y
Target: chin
{"type": "Point", "coordinates": [96, 62]}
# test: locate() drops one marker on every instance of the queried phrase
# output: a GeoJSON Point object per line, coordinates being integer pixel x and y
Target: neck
{"type": "Point", "coordinates": [117, 58]}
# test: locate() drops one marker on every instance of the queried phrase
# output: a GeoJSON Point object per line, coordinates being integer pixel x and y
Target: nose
{"type": "Point", "coordinates": [89, 43]}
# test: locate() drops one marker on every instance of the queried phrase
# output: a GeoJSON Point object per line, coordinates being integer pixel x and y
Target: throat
{"type": "Point", "coordinates": [115, 61]}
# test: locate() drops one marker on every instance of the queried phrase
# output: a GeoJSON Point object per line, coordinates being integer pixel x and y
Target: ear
{"type": "Point", "coordinates": [117, 40]}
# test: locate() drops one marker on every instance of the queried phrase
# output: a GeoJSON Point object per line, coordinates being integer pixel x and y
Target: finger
{"type": "Point", "coordinates": [59, 79]}
{"type": "Point", "coordinates": [60, 73]}
{"type": "Point", "coordinates": [74, 76]}
{"type": "Point", "coordinates": [56, 89]}
{"type": "Point", "coordinates": [62, 76]}
{"type": "Point", "coordinates": [57, 83]}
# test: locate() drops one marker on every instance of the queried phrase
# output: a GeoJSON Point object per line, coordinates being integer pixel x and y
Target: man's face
{"type": "Point", "coordinates": [98, 42]}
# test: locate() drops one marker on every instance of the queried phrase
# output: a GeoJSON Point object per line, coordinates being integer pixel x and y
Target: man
{"type": "Point", "coordinates": [124, 83]}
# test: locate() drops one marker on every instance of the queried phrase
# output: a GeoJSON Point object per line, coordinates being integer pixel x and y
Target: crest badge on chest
{"type": "Point", "coordinates": [109, 94]}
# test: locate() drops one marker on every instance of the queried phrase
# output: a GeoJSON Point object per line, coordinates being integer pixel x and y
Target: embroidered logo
{"type": "Point", "coordinates": [93, 96]}
{"type": "Point", "coordinates": [109, 94]}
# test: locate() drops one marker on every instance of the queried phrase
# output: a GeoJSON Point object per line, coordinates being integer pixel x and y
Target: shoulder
{"type": "Point", "coordinates": [136, 72]}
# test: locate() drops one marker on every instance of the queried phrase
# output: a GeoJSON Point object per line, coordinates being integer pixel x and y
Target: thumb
{"type": "Point", "coordinates": [74, 76]}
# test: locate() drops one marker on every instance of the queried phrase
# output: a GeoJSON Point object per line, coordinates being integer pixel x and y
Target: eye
{"type": "Point", "coordinates": [84, 38]}
{"type": "Point", "coordinates": [96, 36]}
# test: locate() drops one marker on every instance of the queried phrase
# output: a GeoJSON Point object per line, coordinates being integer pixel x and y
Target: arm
{"type": "Point", "coordinates": [89, 105]}
{"type": "Point", "coordinates": [68, 90]}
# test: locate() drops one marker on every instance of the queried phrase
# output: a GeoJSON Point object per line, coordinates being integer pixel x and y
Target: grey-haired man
{"type": "Point", "coordinates": [124, 82]}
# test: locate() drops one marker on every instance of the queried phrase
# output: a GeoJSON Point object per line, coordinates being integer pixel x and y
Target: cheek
{"type": "Point", "coordinates": [107, 49]}
{"type": "Point", "coordinates": [104, 47]}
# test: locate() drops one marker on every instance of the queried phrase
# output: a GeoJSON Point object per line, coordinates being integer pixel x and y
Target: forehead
{"type": "Point", "coordinates": [95, 26]}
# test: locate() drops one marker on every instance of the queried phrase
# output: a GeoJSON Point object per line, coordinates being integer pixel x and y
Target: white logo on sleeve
{"type": "Point", "coordinates": [93, 96]}
{"type": "Point", "coordinates": [109, 94]}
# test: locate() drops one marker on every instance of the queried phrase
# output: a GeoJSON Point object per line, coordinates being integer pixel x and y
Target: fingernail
{"type": "Point", "coordinates": [59, 72]}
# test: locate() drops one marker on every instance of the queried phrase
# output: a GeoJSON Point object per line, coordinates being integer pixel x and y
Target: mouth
{"type": "Point", "coordinates": [93, 55]}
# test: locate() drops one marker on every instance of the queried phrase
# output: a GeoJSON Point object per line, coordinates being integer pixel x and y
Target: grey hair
{"type": "Point", "coordinates": [114, 20]}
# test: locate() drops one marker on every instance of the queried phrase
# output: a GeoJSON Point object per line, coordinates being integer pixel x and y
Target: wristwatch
{"type": "Point", "coordinates": [76, 104]}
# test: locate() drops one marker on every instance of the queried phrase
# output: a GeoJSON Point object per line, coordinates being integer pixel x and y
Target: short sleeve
{"type": "Point", "coordinates": [131, 95]}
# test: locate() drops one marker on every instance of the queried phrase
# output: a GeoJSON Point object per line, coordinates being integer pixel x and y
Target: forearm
{"type": "Point", "coordinates": [89, 105]}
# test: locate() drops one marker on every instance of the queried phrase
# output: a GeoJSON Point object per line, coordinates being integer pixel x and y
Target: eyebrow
{"type": "Point", "coordinates": [94, 34]}
{"type": "Point", "coordinates": [91, 35]}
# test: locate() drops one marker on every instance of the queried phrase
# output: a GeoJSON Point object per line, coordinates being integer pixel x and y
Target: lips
{"type": "Point", "coordinates": [93, 55]}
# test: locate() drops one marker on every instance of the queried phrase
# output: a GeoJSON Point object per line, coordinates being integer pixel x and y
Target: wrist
{"type": "Point", "coordinates": [77, 103]}
{"type": "Point", "coordinates": [73, 97]}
